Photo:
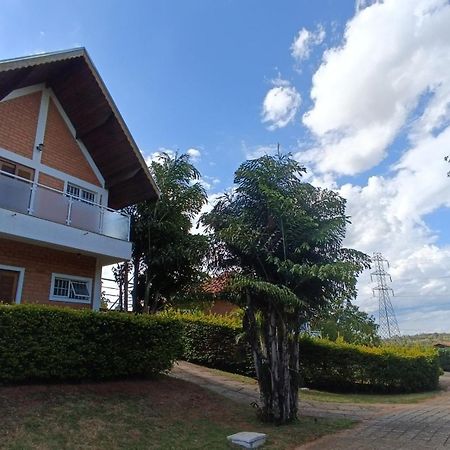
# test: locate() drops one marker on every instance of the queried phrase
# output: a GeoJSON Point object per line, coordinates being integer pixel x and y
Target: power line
{"type": "Point", "coordinates": [411, 296]}
{"type": "Point", "coordinates": [388, 325]}
{"type": "Point", "coordinates": [422, 295]}
{"type": "Point", "coordinates": [422, 278]}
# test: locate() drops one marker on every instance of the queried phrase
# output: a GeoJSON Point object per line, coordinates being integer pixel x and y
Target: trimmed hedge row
{"type": "Point", "coordinates": [56, 344]}
{"type": "Point", "coordinates": [48, 343]}
{"type": "Point", "coordinates": [218, 342]}
{"type": "Point", "coordinates": [444, 358]}
{"type": "Point", "coordinates": [345, 367]}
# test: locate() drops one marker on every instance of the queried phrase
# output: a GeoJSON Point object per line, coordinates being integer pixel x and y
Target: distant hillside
{"type": "Point", "coordinates": [426, 339]}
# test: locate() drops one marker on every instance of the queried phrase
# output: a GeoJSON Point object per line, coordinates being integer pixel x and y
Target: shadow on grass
{"type": "Point", "coordinates": [164, 413]}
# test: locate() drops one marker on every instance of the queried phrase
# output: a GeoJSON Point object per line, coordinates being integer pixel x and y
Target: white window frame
{"type": "Point", "coordinates": [58, 298]}
{"type": "Point", "coordinates": [21, 271]}
{"type": "Point", "coordinates": [80, 196]}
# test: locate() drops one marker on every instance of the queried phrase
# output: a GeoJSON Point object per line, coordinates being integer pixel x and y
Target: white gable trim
{"type": "Point", "coordinates": [41, 124]}
{"type": "Point", "coordinates": [83, 149]}
{"type": "Point", "coordinates": [21, 271]}
{"type": "Point", "coordinates": [24, 91]}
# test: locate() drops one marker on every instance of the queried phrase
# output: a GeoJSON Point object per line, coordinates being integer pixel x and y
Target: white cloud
{"type": "Point", "coordinates": [394, 57]}
{"type": "Point", "coordinates": [428, 321]}
{"type": "Point", "coordinates": [361, 4]}
{"type": "Point", "coordinates": [209, 182]}
{"type": "Point", "coordinates": [280, 105]}
{"type": "Point", "coordinates": [388, 214]}
{"type": "Point", "coordinates": [254, 152]}
{"type": "Point", "coordinates": [304, 41]}
{"type": "Point", "coordinates": [390, 76]}
{"type": "Point", "coordinates": [212, 180]}
{"type": "Point", "coordinates": [197, 227]}
{"type": "Point", "coordinates": [194, 154]}
{"type": "Point", "coordinates": [156, 156]}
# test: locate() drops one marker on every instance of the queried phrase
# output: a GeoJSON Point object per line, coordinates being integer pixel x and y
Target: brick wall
{"type": "Point", "coordinates": [61, 150]}
{"type": "Point", "coordinates": [222, 307]}
{"type": "Point", "coordinates": [18, 123]}
{"type": "Point", "coordinates": [40, 263]}
{"type": "Point", "coordinates": [48, 180]}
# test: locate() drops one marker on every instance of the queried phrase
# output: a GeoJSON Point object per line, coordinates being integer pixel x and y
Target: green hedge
{"type": "Point", "coordinates": [341, 366]}
{"type": "Point", "coordinates": [48, 343]}
{"type": "Point", "coordinates": [444, 359]}
{"type": "Point", "coordinates": [218, 342]}
{"type": "Point", "coordinates": [215, 341]}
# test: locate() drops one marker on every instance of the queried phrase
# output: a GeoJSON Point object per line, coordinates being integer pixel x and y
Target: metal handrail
{"type": "Point", "coordinates": [34, 185]}
{"type": "Point", "coordinates": [62, 193]}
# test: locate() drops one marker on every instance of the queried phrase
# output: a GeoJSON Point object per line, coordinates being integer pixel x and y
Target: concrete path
{"type": "Point", "coordinates": [424, 425]}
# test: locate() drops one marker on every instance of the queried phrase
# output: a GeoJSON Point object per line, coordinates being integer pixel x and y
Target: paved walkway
{"type": "Point", "coordinates": [417, 426]}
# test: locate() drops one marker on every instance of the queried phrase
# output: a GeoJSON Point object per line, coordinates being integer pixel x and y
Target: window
{"type": "Point", "coordinates": [73, 191]}
{"type": "Point", "coordinates": [70, 289]}
{"type": "Point", "coordinates": [11, 283]}
{"type": "Point", "coordinates": [16, 169]}
{"type": "Point", "coordinates": [79, 193]}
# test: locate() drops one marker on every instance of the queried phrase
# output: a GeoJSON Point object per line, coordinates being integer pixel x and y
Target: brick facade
{"type": "Point", "coordinates": [18, 123]}
{"type": "Point", "coordinates": [48, 180]}
{"type": "Point", "coordinates": [40, 263]}
{"type": "Point", "coordinates": [61, 151]}
{"type": "Point", "coordinates": [222, 307]}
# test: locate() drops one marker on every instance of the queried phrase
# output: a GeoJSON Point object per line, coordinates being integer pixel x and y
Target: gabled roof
{"type": "Point", "coordinates": [94, 115]}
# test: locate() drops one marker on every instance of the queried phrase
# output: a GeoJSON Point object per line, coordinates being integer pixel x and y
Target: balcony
{"type": "Point", "coordinates": [33, 199]}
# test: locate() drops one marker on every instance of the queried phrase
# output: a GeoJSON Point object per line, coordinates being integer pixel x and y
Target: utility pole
{"type": "Point", "coordinates": [388, 325]}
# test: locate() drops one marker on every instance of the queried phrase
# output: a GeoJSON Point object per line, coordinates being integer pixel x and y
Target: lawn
{"type": "Point", "coordinates": [141, 414]}
{"type": "Point", "coordinates": [322, 396]}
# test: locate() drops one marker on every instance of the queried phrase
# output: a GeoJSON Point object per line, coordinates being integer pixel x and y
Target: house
{"type": "Point", "coordinates": [214, 288]}
{"type": "Point", "coordinates": [443, 344]}
{"type": "Point", "coordinates": [68, 165]}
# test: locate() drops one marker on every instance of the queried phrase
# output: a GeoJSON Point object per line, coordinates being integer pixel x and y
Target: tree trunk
{"type": "Point", "coordinates": [120, 293]}
{"type": "Point", "coordinates": [153, 307]}
{"type": "Point", "coordinates": [148, 284]}
{"type": "Point", "coordinates": [275, 351]}
{"type": "Point", "coordinates": [134, 293]}
{"type": "Point", "coordinates": [125, 285]}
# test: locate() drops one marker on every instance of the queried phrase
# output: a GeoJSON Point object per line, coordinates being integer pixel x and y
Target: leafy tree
{"type": "Point", "coordinates": [346, 321]}
{"type": "Point", "coordinates": [282, 239]}
{"type": "Point", "coordinates": [167, 257]}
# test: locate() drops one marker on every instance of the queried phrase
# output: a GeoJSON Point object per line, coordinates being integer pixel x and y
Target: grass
{"type": "Point", "coordinates": [322, 396]}
{"type": "Point", "coordinates": [148, 414]}
{"type": "Point", "coordinates": [233, 376]}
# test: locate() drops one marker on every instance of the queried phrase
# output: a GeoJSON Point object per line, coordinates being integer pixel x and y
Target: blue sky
{"type": "Point", "coordinates": [183, 73]}
{"type": "Point", "coordinates": [357, 91]}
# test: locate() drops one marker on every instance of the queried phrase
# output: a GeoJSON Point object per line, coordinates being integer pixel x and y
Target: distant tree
{"type": "Point", "coordinates": [282, 239]}
{"type": "Point", "coordinates": [345, 320]}
{"type": "Point", "coordinates": [167, 257]}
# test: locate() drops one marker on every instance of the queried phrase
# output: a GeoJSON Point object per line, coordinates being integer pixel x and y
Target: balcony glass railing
{"type": "Point", "coordinates": [23, 196]}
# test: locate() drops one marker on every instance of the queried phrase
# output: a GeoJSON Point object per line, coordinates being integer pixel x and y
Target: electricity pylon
{"type": "Point", "coordinates": [388, 325]}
